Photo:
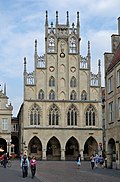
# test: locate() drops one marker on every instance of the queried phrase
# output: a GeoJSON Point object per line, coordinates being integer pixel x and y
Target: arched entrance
{"type": "Point", "coordinates": [53, 149]}
{"type": "Point", "coordinates": [112, 148]}
{"type": "Point", "coordinates": [35, 148]}
{"type": "Point", "coordinates": [90, 147]}
{"type": "Point", "coordinates": [71, 149]}
{"type": "Point", "coordinates": [3, 146]}
{"type": "Point", "coordinates": [15, 145]}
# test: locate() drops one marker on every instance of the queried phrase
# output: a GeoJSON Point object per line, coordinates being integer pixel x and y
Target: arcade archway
{"type": "Point", "coordinates": [90, 147]}
{"type": "Point", "coordinates": [71, 149]}
{"type": "Point", "coordinates": [53, 149]}
{"type": "Point", "coordinates": [3, 146]}
{"type": "Point", "coordinates": [112, 148]}
{"type": "Point", "coordinates": [35, 148]}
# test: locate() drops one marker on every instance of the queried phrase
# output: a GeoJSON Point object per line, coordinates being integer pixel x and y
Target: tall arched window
{"type": "Point", "coordinates": [72, 116]}
{"type": "Point", "coordinates": [52, 95]}
{"type": "Point", "coordinates": [84, 95]}
{"type": "Point", "coordinates": [73, 82]}
{"type": "Point", "coordinates": [51, 44]}
{"type": "Point", "coordinates": [73, 95]}
{"type": "Point", "coordinates": [35, 115]}
{"type": "Point", "coordinates": [52, 81]}
{"type": "Point", "coordinates": [41, 95]}
{"type": "Point", "coordinates": [90, 116]}
{"type": "Point", "coordinates": [72, 45]}
{"type": "Point", "coordinates": [54, 115]}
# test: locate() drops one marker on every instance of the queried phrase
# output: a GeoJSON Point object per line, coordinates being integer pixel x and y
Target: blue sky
{"type": "Point", "coordinates": [22, 21]}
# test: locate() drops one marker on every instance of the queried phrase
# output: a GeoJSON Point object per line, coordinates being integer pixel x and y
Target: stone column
{"type": "Point", "coordinates": [44, 154]}
{"type": "Point", "coordinates": [109, 160]}
{"type": "Point", "coordinates": [81, 153]}
{"type": "Point", "coordinates": [117, 155]}
{"type": "Point", "coordinates": [62, 154]}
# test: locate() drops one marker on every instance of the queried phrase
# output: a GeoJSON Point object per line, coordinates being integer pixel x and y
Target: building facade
{"type": "Point", "coordinates": [112, 100]}
{"type": "Point", "coordinates": [5, 121]}
{"type": "Point", "coordinates": [61, 114]}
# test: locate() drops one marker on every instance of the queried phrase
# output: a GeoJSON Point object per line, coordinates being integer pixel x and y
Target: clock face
{"type": "Point", "coordinates": [72, 69]}
{"type": "Point", "coordinates": [51, 68]}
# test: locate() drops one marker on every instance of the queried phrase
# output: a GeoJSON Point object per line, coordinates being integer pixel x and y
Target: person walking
{"type": "Point", "coordinates": [92, 161]}
{"type": "Point", "coordinates": [79, 160]}
{"type": "Point", "coordinates": [33, 166]}
{"type": "Point", "coordinates": [5, 160]}
{"type": "Point", "coordinates": [24, 166]}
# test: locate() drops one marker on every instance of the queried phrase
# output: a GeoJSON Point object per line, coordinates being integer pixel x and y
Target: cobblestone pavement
{"type": "Point", "coordinates": [60, 171]}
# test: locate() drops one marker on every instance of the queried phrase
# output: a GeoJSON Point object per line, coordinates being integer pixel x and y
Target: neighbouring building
{"type": "Point", "coordinates": [61, 114]}
{"type": "Point", "coordinates": [5, 121]}
{"type": "Point", "coordinates": [112, 100]}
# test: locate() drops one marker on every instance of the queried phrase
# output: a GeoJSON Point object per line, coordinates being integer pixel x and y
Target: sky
{"type": "Point", "coordinates": [22, 21]}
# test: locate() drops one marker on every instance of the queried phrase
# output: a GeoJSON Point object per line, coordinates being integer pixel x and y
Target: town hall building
{"type": "Point", "coordinates": [61, 114]}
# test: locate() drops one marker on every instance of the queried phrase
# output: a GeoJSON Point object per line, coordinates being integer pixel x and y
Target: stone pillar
{"type": "Point", "coordinates": [81, 153]}
{"type": "Point", "coordinates": [117, 155]}
{"type": "Point", "coordinates": [62, 154]}
{"type": "Point", "coordinates": [109, 160]}
{"type": "Point", "coordinates": [44, 155]}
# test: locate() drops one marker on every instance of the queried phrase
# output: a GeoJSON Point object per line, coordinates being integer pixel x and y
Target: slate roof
{"type": "Point", "coordinates": [115, 60]}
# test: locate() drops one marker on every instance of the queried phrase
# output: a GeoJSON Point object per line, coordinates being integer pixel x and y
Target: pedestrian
{"type": "Point", "coordinates": [92, 161]}
{"type": "Point", "coordinates": [96, 160]}
{"type": "Point", "coordinates": [79, 160]}
{"type": "Point", "coordinates": [24, 166]}
{"type": "Point", "coordinates": [101, 161]}
{"type": "Point", "coordinates": [33, 166]}
{"type": "Point", "coordinates": [5, 160]}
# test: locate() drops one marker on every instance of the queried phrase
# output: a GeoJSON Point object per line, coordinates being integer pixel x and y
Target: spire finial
{"type": "Point", "coordinates": [25, 64]}
{"type": "Point", "coordinates": [4, 88]}
{"type": "Point", "coordinates": [99, 65]}
{"type": "Point", "coordinates": [78, 23]}
{"type": "Point", "coordinates": [46, 21]}
{"type": "Point", "coordinates": [35, 45]}
{"type": "Point", "coordinates": [56, 17]}
{"type": "Point", "coordinates": [67, 18]}
{"type": "Point", "coordinates": [88, 47]}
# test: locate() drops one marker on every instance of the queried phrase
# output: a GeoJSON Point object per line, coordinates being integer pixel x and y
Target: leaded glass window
{"type": "Point", "coordinates": [84, 95]}
{"type": "Point", "coordinates": [52, 81]}
{"type": "Point", "coordinates": [73, 82]}
{"type": "Point", "coordinates": [53, 115]}
{"type": "Point", "coordinates": [72, 116]}
{"type": "Point", "coordinates": [41, 95]}
{"type": "Point", "coordinates": [52, 95]}
{"type": "Point", "coordinates": [73, 95]}
{"type": "Point", "coordinates": [35, 115]}
{"type": "Point", "coordinates": [90, 116]}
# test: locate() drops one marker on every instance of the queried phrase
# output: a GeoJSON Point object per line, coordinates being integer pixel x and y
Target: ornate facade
{"type": "Point", "coordinates": [5, 121]}
{"type": "Point", "coordinates": [112, 100]}
{"type": "Point", "coordinates": [61, 115]}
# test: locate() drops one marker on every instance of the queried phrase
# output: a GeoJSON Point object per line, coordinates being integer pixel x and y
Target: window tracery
{"type": "Point", "coordinates": [51, 44]}
{"type": "Point", "coordinates": [84, 95]}
{"type": "Point", "coordinates": [73, 82]}
{"type": "Point", "coordinates": [72, 45]}
{"type": "Point", "coordinates": [35, 115]}
{"type": "Point", "coordinates": [53, 115]}
{"type": "Point", "coordinates": [73, 95]}
{"type": "Point", "coordinates": [52, 95]}
{"type": "Point", "coordinates": [41, 95]}
{"type": "Point", "coordinates": [52, 81]}
{"type": "Point", "coordinates": [72, 116]}
{"type": "Point", "coordinates": [90, 116]}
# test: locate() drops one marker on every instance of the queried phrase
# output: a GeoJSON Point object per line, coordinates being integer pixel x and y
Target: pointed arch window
{"type": "Point", "coordinates": [54, 115]}
{"type": "Point", "coordinates": [73, 95]}
{"type": "Point", "coordinates": [35, 115]}
{"type": "Point", "coordinates": [52, 81]}
{"type": "Point", "coordinates": [73, 45]}
{"type": "Point", "coordinates": [52, 95]}
{"type": "Point", "coordinates": [73, 82]}
{"type": "Point", "coordinates": [41, 95]}
{"type": "Point", "coordinates": [72, 116]}
{"type": "Point", "coordinates": [51, 44]}
{"type": "Point", "coordinates": [84, 95]}
{"type": "Point", "coordinates": [90, 116]}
